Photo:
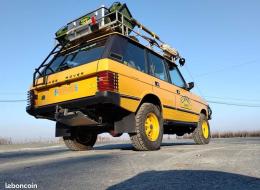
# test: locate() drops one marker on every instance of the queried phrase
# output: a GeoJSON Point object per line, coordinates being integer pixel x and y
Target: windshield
{"type": "Point", "coordinates": [84, 54]}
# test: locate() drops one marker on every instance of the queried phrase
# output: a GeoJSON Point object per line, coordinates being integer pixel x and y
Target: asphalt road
{"type": "Point", "coordinates": [223, 164]}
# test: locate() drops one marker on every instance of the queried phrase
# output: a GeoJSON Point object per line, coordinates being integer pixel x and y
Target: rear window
{"type": "Point", "coordinates": [83, 55]}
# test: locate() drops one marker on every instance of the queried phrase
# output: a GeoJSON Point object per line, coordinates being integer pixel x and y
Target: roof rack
{"type": "Point", "coordinates": [104, 21]}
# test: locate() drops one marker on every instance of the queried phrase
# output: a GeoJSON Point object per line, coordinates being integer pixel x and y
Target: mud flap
{"type": "Point", "coordinates": [126, 124]}
{"type": "Point", "coordinates": [62, 130]}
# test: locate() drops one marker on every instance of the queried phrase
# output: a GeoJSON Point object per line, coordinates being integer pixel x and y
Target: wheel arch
{"type": "Point", "coordinates": [151, 98]}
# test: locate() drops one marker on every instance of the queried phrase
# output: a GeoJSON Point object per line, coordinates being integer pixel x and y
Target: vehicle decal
{"type": "Point", "coordinates": [76, 87]}
{"type": "Point", "coordinates": [130, 97]}
{"type": "Point", "coordinates": [183, 110]}
{"type": "Point", "coordinates": [185, 103]}
{"type": "Point", "coordinates": [56, 92]}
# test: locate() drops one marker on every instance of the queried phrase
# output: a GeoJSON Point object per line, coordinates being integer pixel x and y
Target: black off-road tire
{"type": "Point", "coordinates": [198, 134]}
{"type": "Point", "coordinates": [139, 139]}
{"type": "Point", "coordinates": [85, 142]}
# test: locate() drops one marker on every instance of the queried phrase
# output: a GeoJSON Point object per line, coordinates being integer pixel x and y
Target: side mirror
{"type": "Point", "coordinates": [190, 85]}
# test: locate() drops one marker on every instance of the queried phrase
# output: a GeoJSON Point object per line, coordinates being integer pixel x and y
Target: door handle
{"type": "Point", "coordinates": [178, 92]}
{"type": "Point", "coordinates": [157, 83]}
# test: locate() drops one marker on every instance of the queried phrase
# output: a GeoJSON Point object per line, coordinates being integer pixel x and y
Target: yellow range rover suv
{"type": "Point", "coordinates": [114, 84]}
{"type": "Point", "coordinates": [100, 79]}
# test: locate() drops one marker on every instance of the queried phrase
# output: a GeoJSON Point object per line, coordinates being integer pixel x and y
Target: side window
{"type": "Point", "coordinates": [157, 67]}
{"type": "Point", "coordinates": [177, 78]}
{"type": "Point", "coordinates": [134, 57]}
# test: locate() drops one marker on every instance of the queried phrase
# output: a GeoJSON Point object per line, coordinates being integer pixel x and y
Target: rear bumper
{"type": "Point", "coordinates": [48, 111]}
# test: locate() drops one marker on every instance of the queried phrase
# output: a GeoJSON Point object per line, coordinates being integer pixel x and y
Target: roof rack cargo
{"type": "Point", "coordinates": [94, 21]}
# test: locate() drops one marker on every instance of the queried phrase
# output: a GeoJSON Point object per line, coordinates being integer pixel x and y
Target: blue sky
{"type": "Point", "coordinates": [219, 39]}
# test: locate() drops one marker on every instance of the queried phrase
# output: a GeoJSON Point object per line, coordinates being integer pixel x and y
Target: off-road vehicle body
{"type": "Point", "coordinates": [107, 81]}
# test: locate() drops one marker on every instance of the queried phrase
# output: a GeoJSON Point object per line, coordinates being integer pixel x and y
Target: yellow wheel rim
{"type": "Point", "coordinates": [152, 127]}
{"type": "Point", "coordinates": [205, 129]}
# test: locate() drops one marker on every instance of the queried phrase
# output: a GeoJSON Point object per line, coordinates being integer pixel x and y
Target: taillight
{"type": "Point", "coordinates": [107, 81]}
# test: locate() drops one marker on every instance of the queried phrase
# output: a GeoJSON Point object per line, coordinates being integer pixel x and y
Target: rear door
{"type": "Point", "coordinates": [71, 75]}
